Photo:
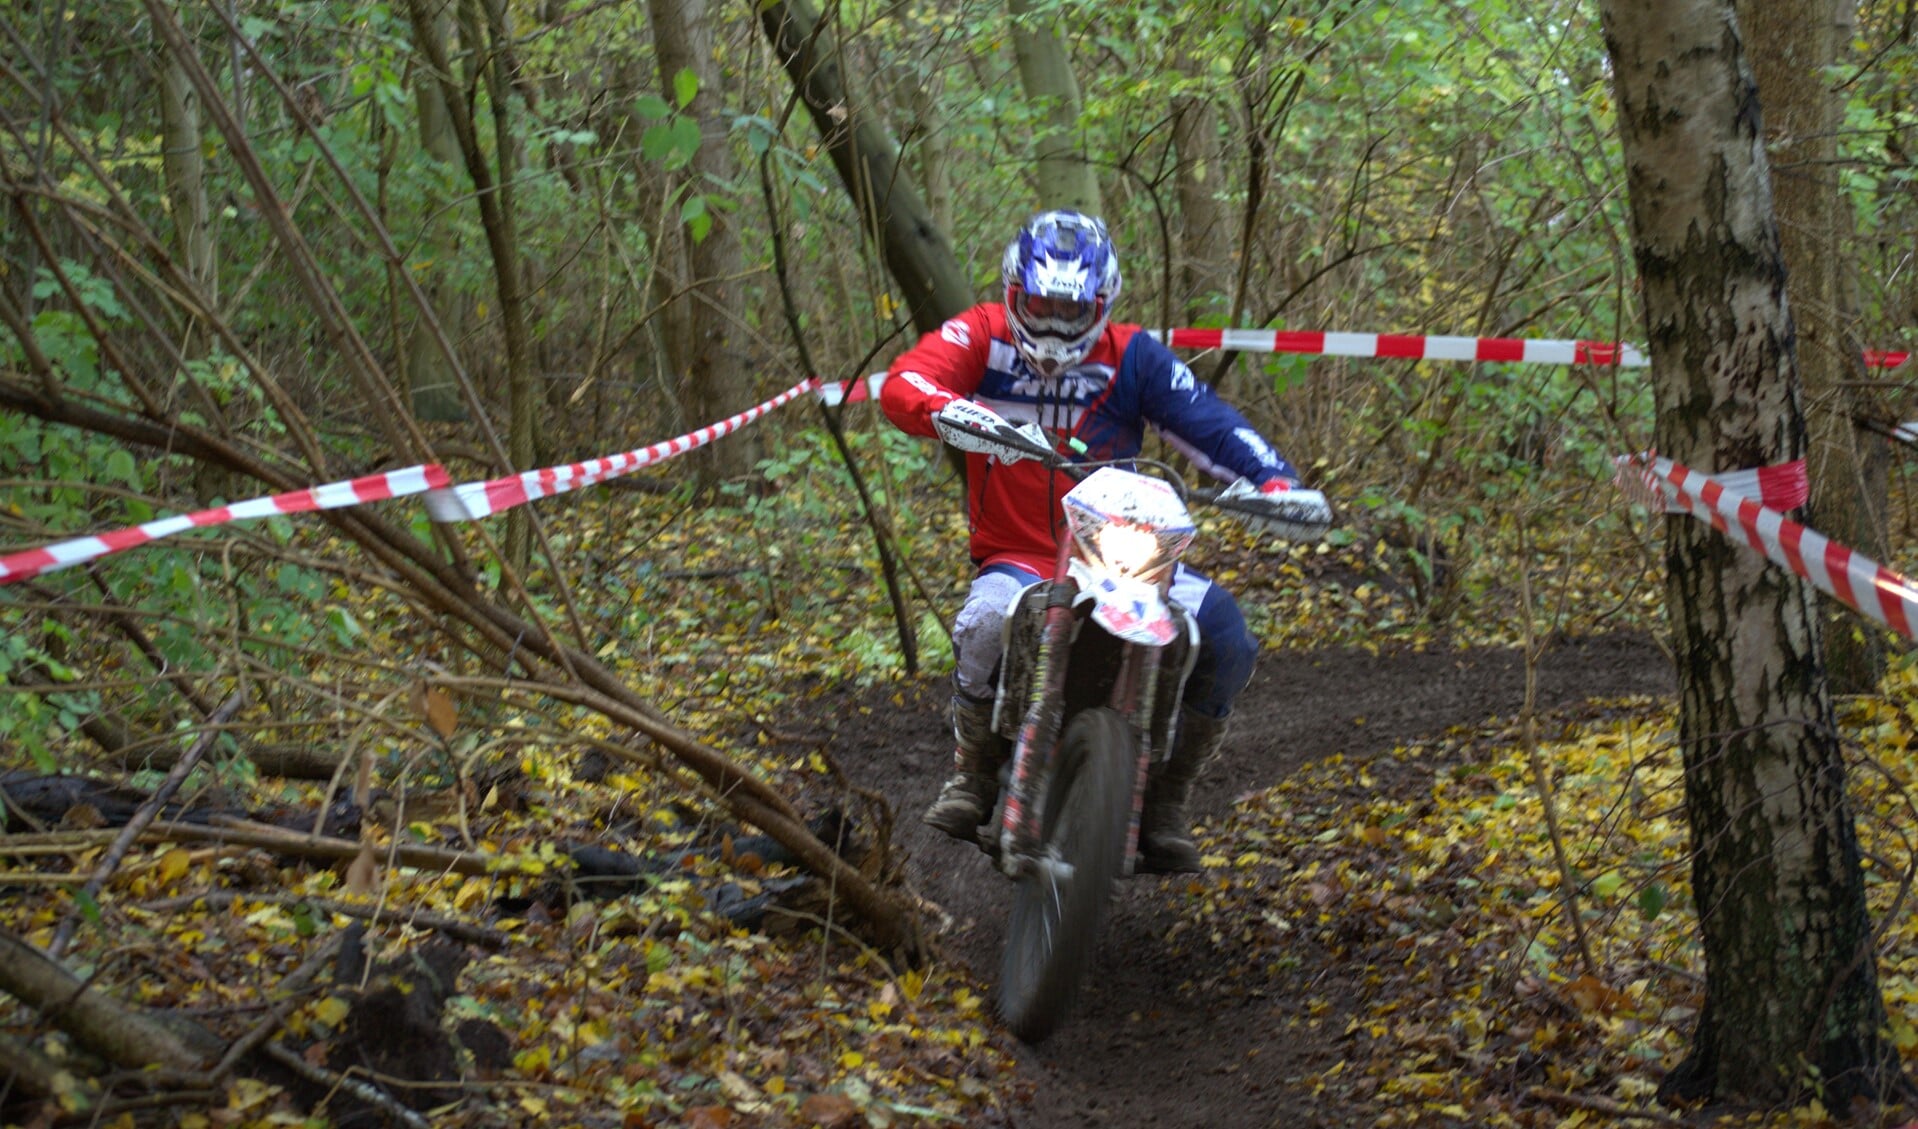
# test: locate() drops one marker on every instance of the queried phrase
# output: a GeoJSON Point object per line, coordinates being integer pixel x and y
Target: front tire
{"type": "Point", "coordinates": [1055, 922]}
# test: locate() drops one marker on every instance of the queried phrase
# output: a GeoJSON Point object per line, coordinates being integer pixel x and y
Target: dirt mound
{"type": "Point", "coordinates": [1164, 1034]}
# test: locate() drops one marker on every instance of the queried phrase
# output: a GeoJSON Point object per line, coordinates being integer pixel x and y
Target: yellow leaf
{"type": "Point", "coordinates": [174, 865]}
{"type": "Point", "coordinates": [471, 892]}
{"type": "Point", "coordinates": [245, 1093]}
{"type": "Point", "coordinates": [331, 1010]}
{"type": "Point", "coordinates": [533, 1060]}
{"type": "Point", "coordinates": [851, 1060]}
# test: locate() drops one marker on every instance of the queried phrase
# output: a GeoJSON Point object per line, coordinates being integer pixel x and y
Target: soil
{"type": "Point", "coordinates": [1161, 1036]}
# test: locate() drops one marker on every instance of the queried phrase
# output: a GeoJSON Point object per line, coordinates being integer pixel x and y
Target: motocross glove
{"type": "Point", "coordinates": [1279, 507]}
{"type": "Point", "coordinates": [970, 426]}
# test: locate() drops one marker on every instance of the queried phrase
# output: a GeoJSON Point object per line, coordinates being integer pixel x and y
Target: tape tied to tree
{"type": "Point", "coordinates": [1852, 578]}
{"type": "Point", "coordinates": [1782, 486]}
{"type": "Point", "coordinates": [333, 495]}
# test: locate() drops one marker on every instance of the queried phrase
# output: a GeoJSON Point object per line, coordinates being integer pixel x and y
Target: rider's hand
{"type": "Point", "coordinates": [1279, 506]}
{"type": "Point", "coordinates": [972, 426]}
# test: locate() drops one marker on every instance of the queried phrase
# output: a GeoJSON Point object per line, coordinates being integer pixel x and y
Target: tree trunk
{"type": "Point", "coordinates": [1791, 1001]}
{"type": "Point", "coordinates": [715, 381]}
{"type": "Point", "coordinates": [482, 24]}
{"type": "Point", "coordinates": [916, 251]}
{"type": "Point", "coordinates": [1061, 173]}
{"type": "Point", "coordinates": [1204, 246]}
{"type": "Point", "coordinates": [183, 159]}
{"type": "Point", "coordinates": [1790, 51]}
{"type": "Point", "coordinates": [429, 375]}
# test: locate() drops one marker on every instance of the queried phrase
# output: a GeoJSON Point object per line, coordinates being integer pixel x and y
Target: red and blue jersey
{"type": "Point", "coordinates": [1128, 381]}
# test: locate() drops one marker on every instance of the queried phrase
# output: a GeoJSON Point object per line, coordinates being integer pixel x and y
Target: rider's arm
{"type": "Point", "coordinates": [1193, 418]}
{"type": "Point", "coordinates": [945, 365]}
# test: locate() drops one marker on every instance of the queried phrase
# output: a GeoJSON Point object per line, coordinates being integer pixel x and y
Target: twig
{"type": "Point", "coordinates": [366, 1092]}
{"type": "Point", "coordinates": [270, 838]}
{"type": "Point", "coordinates": [1541, 773]}
{"type": "Point", "coordinates": [144, 816]}
{"type": "Point", "coordinates": [451, 926]}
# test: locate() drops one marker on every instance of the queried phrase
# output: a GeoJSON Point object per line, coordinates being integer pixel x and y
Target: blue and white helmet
{"type": "Point", "coordinates": [1062, 276]}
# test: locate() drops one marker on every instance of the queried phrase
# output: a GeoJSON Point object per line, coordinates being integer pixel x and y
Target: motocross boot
{"type": "Point", "coordinates": [967, 797]}
{"type": "Point", "coordinates": [1165, 834]}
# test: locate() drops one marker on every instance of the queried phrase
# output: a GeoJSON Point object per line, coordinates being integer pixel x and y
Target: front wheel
{"type": "Point", "coordinates": [1059, 909]}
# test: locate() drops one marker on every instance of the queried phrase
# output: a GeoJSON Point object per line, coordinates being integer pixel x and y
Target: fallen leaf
{"type": "Point", "coordinates": [1592, 994]}
{"type": "Point", "coordinates": [828, 1111]}
{"type": "Point", "coordinates": [709, 1117]}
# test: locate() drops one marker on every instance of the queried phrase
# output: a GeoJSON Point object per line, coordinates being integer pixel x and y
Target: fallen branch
{"type": "Point", "coordinates": [122, 1035]}
{"type": "Point", "coordinates": [1600, 1105]}
{"type": "Point", "coordinates": [145, 815]}
{"type": "Point", "coordinates": [267, 837]}
{"type": "Point", "coordinates": [25, 1067]}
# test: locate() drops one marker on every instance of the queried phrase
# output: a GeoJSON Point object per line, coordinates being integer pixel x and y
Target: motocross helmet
{"type": "Point", "coordinates": [1061, 276]}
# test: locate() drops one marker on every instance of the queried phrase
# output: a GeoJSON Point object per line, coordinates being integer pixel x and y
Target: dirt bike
{"type": "Point", "coordinates": [1094, 663]}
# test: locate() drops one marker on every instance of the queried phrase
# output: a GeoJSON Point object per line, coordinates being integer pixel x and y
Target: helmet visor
{"type": "Point", "coordinates": [1050, 317]}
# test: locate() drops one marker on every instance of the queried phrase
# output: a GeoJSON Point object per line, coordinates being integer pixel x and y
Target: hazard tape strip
{"type": "Point", "coordinates": [1420, 348]}
{"type": "Point", "coordinates": [854, 391]}
{"type": "Point", "coordinates": [1406, 346]}
{"type": "Point", "coordinates": [334, 495]}
{"type": "Point", "coordinates": [1781, 487]}
{"type": "Point", "coordinates": [1852, 578]}
{"type": "Point", "coordinates": [471, 500]}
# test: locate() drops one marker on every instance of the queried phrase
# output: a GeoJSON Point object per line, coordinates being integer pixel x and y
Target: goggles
{"type": "Point", "coordinates": [1041, 314]}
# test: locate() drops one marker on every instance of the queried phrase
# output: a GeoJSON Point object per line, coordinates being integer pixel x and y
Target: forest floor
{"type": "Point", "coordinates": [1176, 1029]}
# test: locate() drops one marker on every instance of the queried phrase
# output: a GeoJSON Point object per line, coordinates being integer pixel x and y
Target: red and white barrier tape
{"type": "Point", "coordinates": [334, 495]}
{"type": "Point", "coordinates": [1854, 579]}
{"type": "Point", "coordinates": [1536, 350]}
{"type": "Point", "coordinates": [1418, 348]}
{"type": "Point", "coordinates": [471, 500]}
{"type": "Point", "coordinates": [1781, 487]}
{"type": "Point", "coordinates": [853, 391]}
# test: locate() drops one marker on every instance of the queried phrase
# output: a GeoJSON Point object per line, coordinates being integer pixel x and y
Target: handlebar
{"type": "Point", "coordinates": [978, 429]}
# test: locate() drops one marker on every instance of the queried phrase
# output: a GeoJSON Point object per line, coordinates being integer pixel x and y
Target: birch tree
{"type": "Point", "coordinates": [1792, 1008]}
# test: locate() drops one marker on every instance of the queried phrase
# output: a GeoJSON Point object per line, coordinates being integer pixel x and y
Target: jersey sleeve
{"type": "Point", "coordinates": [945, 365]}
{"type": "Point", "coordinates": [1192, 417]}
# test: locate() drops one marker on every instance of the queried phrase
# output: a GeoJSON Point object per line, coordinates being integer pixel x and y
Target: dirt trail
{"type": "Point", "coordinates": [1165, 1035]}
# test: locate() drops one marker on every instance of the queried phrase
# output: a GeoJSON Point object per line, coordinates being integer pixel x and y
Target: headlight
{"type": "Point", "coordinates": [1127, 549]}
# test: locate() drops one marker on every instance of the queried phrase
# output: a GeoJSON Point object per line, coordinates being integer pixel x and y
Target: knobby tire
{"type": "Point", "coordinates": [1054, 926]}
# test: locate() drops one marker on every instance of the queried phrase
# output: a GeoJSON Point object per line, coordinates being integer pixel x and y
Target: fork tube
{"type": "Point", "coordinates": [1145, 691]}
{"type": "Point", "coordinates": [1033, 755]}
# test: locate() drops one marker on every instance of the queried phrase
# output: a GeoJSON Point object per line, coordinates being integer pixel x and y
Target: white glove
{"type": "Point", "coordinates": [1279, 508]}
{"type": "Point", "coordinates": [971, 426]}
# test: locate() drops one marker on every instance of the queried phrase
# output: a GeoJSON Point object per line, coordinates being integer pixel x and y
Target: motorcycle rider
{"type": "Point", "coordinates": [1049, 354]}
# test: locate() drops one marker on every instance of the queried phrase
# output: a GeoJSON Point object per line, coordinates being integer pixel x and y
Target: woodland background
{"type": "Point", "coordinates": [257, 246]}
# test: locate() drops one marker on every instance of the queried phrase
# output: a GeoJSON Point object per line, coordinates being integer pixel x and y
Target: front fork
{"type": "Point", "coordinates": [1038, 734]}
{"type": "Point", "coordinates": [1133, 695]}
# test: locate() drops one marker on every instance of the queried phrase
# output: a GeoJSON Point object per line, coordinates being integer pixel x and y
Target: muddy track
{"type": "Point", "coordinates": [1170, 1032]}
